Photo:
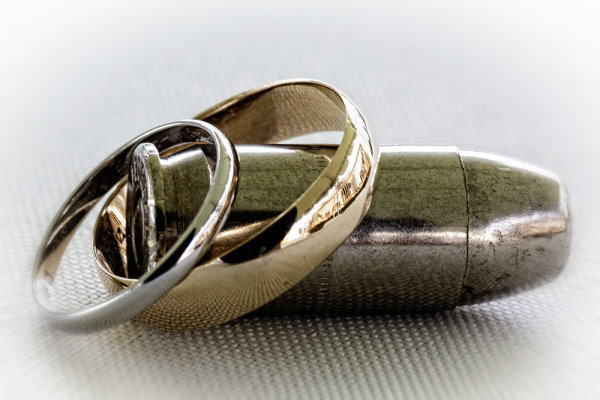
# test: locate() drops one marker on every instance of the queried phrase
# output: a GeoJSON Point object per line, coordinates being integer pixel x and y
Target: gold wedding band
{"type": "Point", "coordinates": [267, 262]}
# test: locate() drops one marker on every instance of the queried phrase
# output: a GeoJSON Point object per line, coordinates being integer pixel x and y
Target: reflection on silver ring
{"type": "Point", "coordinates": [176, 263]}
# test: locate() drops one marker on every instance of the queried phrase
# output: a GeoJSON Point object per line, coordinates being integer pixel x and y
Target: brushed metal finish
{"type": "Point", "coordinates": [423, 244]}
{"type": "Point", "coordinates": [409, 252]}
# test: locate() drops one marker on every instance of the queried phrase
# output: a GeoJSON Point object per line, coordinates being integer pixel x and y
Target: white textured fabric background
{"type": "Point", "coordinates": [520, 78]}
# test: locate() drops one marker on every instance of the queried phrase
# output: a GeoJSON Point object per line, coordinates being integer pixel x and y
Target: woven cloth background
{"type": "Point", "coordinates": [518, 78]}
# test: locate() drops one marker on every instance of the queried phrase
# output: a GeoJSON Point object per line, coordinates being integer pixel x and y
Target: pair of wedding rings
{"type": "Point", "coordinates": [262, 266]}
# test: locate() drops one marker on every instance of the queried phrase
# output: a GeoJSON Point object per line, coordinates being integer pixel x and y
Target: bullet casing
{"type": "Point", "coordinates": [408, 253]}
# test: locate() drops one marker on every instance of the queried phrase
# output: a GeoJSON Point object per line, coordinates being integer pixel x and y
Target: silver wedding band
{"type": "Point", "coordinates": [176, 263]}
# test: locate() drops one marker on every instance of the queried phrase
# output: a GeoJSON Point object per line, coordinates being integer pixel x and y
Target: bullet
{"type": "Point", "coordinates": [445, 227]}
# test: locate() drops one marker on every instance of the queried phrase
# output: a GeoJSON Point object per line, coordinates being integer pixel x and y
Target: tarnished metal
{"type": "Point", "coordinates": [444, 228]}
{"type": "Point", "coordinates": [519, 226]}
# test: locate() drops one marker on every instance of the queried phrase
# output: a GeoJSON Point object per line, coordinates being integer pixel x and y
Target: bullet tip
{"type": "Point", "coordinates": [519, 226]}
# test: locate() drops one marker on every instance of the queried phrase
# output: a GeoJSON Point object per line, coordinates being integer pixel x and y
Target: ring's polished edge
{"type": "Point", "coordinates": [267, 263]}
{"type": "Point", "coordinates": [175, 265]}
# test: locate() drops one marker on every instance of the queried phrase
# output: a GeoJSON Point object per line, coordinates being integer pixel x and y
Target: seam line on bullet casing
{"type": "Point", "coordinates": [464, 279]}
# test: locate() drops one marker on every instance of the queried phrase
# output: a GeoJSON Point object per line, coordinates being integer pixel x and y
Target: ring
{"type": "Point", "coordinates": [176, 263]}
{"type": "Point", "coordinates": [267, 263]}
